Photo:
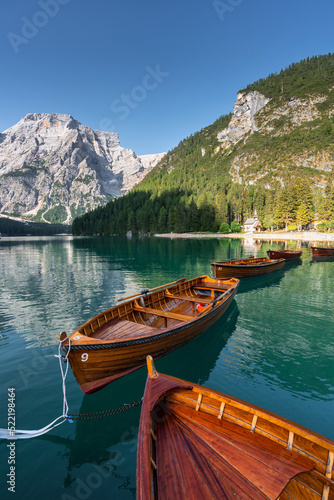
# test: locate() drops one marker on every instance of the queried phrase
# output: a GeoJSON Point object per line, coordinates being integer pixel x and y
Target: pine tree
{"type": "Point", "coordinates": [327, 207]}
{"type": "Point", "coordinates": [302, 217]}
{"type": "Point", "coordinates": [284, 209]}
{"type": "Point", "coordinates": [131, 226]}
{"type": "Point", "coordinates": [162, 220]}
{"type": "Point", "coordinates": [301, 194]}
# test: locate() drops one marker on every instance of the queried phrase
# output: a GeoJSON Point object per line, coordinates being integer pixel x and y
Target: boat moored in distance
{"type": "Point", "coordinates": [243, 268]}
{"type": "Point", "coordinates": [284, 254]}
{"type": "Point", "coordinates": [117, 341]}
{"type": "Point", "coordinates": [323, 251]}
{"type": "Point", "coordinates": [198, 443]}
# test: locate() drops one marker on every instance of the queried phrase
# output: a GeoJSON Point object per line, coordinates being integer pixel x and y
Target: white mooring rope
{"type": "Point", "coordinates": [19, 434]}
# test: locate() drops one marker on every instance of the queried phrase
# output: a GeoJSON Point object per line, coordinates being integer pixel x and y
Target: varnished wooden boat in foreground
{"type": "Point", "coordinates": [243, 268]}
{"type": "Point", "coordinates": [284, 254]}
{"type": "Point", "coordinates": [322, 251]}
{"type": "Point", "coordinates": [197, 443]}
{"type": "Point", "coordinates": [117, 341]}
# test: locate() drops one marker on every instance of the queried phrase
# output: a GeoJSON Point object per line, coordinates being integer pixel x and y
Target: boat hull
{"type": "Point", "coordinates": [222, 270]}
{"type": "Point", "coordinates": [96, 364]}
{"type": "Point", "coordinates": [287, 255]}
{"type": "Point", "coordinates": [322, 251]}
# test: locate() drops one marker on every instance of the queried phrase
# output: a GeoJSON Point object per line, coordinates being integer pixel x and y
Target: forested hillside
{"type": "Point", "coordinates": [280, 164]}
{"type": "Point", "coordinates": [313, 75]}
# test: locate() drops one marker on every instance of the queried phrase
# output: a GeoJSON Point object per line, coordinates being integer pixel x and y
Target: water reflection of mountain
{"type": "Point", "coordinates": [109, 442]}
{"type": "Point", "coordinates": [49, 286]}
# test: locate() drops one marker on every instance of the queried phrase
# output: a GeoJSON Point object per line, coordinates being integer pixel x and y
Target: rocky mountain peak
{"type": "Point", "coordinates": [53, 168]}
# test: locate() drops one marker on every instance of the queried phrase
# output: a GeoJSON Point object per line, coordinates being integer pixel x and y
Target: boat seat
{"type": "Point", "coordinates": [190, 299]}
{"type": "Point", "coordinates": [163, 314]}
{"type": "Point", "coordinates": [212, 286]}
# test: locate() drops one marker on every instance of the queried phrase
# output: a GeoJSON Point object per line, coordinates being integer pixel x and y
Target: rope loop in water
{"type": "Point", "coordinates": [22, 434]}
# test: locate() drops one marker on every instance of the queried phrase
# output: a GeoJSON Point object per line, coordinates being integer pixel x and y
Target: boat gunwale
{"type": "Point", "coordinates": [302, 431]}
{"type": "Point", "coordinates": [251, 408]}
{"type": "Point", "coordinates": [246, 265]}
{"type": "Point", "coordinates": [289, 252]}
{"type": "Point", "coordinates": [286, 251]}
{"type": "Point", "coordinates": [97, 344]}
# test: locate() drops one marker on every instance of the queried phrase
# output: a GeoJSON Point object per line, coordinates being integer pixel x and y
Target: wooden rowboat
{"type": "Point", "coordinates": [243, 268]}
{"type": "Point", "coordinates": [197, 443]}
{"type": "Point", "coordinates": [284, 254]}
{"type": "Point", "coordinates": [117, 341]}
{"type": "Point", "coordinates": [322, 251]}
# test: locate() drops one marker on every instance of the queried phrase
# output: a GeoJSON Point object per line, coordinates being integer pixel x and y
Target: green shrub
{"type": "Point", "coordinates": [235, 227]}
{"type": "Point", "coordinates": [224, 228]}
{"type": "Point", "coordinates": [292, 227]}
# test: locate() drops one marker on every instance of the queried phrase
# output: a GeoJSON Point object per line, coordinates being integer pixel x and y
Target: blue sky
{"type": "Point", "coordinates": [152, 71]}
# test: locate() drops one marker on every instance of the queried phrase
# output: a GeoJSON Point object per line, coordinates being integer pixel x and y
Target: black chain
{"type": "Point", "coordinates": [100, 414]}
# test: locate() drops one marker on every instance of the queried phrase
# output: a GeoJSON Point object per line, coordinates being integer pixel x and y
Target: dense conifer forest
{"type": "Point", "coordinates": [191, 189]}
{"type": "Point", "coordinates": [10, 227]}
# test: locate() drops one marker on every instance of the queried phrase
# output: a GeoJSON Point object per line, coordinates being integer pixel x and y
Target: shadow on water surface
{"type": "Point", "coordinates": [258, 282]}
{"type": "Point", "coordinates": [266, 280]}
{"type": "Point", "coordinates": [195, 361]}
{"type": "Point", "coordinates": [322, 258]}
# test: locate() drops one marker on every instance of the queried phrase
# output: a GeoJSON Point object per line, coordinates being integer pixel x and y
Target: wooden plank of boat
{"type": "Point", "coordinates": [117, 341]}
{"type": "Point", "coordinates": [196, 443]}
{"type": "Point", "coordinates": [243, 268]}
{"type": "Point", "coordinates": [284, 254]}
{"type": "Point", "coordinates": [323, 251]}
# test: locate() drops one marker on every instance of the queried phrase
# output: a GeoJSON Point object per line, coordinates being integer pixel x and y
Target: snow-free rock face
{"type": "Point", "coordinates": [255, 113]}
{"type": "Point", "coordinates": [243, 119]}
{"type": "Point", "coordinates": [52, 166]}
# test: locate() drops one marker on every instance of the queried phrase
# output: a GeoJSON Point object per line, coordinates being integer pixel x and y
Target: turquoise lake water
{"type": "Point", "coordinates": [274, 347]}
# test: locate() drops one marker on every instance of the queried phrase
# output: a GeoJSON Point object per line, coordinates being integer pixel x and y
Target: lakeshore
{"type": "Point", "coordinates": [310, 236]}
